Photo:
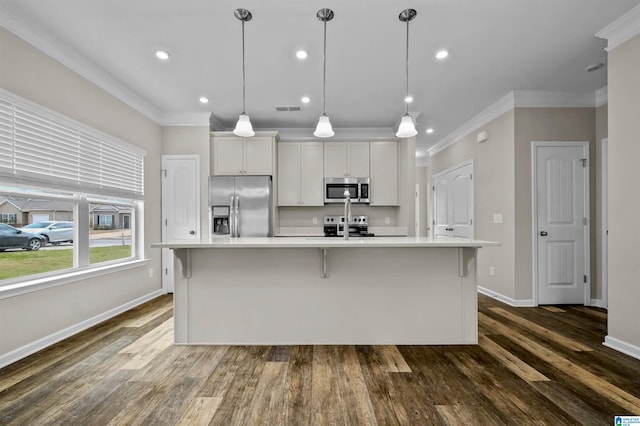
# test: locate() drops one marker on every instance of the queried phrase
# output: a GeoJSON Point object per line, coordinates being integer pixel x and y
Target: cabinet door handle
{"type": "Point", "coordinates": [543, 233]}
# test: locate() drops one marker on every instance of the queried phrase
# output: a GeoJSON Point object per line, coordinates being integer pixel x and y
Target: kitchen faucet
{"type": "Point", "coordinates": [347, 213]}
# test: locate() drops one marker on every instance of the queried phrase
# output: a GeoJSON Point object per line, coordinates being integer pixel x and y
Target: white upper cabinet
{"type": "Point", "coordinates": [234, 155]}
{"type": "Point", "coordinates": [346, 159]}
{"type": "Point", "coordinates": [384, 173]}
{"type": "Point", "coordinates": [300, 178]}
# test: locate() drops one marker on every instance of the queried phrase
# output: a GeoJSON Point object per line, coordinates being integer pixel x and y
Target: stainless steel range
{"type": "Point", "coordinates": [358, 227]}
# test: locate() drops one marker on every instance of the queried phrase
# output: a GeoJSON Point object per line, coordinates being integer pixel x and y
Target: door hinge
{"type": "Point", "coordinates": [584, 221]}
{"type": "Point", "coordinates": [470, 176]}
{"type": "Point", "coordinates": [584, 162]}
{"type": "Point", "coordinates": [433, 187]}
{"type": "Point", "coordinates": [163, 172]}
{"type": "Point", "coordinates": [165, 222]}
{"type": "Point", "coordinates": [166, 271]}
{"type": "Point", "coordinates": [585, 278]}
{"type": "Point", "coordinates": [470, 221]}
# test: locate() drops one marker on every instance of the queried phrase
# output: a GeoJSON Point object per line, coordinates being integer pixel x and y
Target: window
{"type": "Point", "coordinates": [109, 239]}
{"type": "Point", "coordinates": [104, 220]}
{"type": "Point", "coordinates": [69, 194]}
{"type": "Point", "coordinates": [9, 218]}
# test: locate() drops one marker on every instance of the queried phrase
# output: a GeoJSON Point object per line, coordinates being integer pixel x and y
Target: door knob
{"type": "Point", "coordinates": [192, 232]}
{"type": "Point", "coordinates": [543, 233]}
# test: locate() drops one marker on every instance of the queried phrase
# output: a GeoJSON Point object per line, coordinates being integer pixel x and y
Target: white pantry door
{"type": "Point", "coordinates": [561, 173]}
{"type": "Point", "coordinates": [180, 206]}
{"type": "Point", "coordinates": [453, 202]}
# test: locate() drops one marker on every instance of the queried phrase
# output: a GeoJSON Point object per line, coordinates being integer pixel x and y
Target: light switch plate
{"type": "Point", "coordinates": [497, 218]}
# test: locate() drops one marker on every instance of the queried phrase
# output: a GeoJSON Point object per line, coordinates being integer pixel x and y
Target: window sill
{"type": "Point", "coordinates": [29, 286]}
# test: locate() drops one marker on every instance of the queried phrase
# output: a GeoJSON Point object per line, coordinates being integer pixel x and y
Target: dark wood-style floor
{"type": "Point", "coordinates": [532, 366]}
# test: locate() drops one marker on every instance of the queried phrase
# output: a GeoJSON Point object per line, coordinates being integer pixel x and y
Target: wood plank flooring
{"type": "Point", "coordinates": [532, 366]}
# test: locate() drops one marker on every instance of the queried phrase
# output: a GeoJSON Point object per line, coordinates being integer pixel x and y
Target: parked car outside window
{"type": "Point", "coordinates": [54, 232]}
{"type": "Point", "coordinates": [11, 237]}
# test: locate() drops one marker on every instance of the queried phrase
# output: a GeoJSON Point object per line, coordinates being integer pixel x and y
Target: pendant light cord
{"type": "Point", "coordinates": [324, 72]}
{"type": "Point", "coordinates": [243, 83]}
{"type": "Point", "coordinates": [407, 72]}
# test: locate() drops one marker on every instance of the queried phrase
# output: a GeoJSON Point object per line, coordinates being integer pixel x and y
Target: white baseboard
{"type": "Point", "coordinates": [33, 347]}
{"type": "Point", "coordinates": [598, 303]}
{"type": "Point", "coordinates": [620, 346]}
{"type": "Point", "coordinates": [518, 303]}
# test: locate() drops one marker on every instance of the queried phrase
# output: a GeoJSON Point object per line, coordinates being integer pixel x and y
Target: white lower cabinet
{"type": "Point", "coordinates": [300, 174]}
{"type": "Point", "coordinates": [384, 173]}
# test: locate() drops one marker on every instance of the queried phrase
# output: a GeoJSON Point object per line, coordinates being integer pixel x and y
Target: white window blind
{"type": "Point", "coordinates": [38, 145]}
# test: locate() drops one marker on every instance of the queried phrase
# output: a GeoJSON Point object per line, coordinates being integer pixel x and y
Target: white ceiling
{"type": "Point", "coordinates": [496, 46]}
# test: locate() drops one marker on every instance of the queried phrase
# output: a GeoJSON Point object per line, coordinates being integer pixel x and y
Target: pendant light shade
{"type": "Point", "coordinates": [407, 128]}
{"type": "Point", "coordinates": [243, 126]}
{"type": "Point", "coordinates": [323, 129]}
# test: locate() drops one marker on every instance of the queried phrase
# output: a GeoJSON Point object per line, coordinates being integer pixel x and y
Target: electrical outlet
{"type": "Point", "coordinates": [387, 220]}
{"type": "Point", "coordinates": [492, 271]}
{"type": "Point", "coordinates": [315, 220]}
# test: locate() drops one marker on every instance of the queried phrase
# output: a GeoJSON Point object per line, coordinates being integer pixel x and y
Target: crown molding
{"type": "Point", "coordinates": [622, 29]}
{"type": "Point", "coordinates": [520, 99]}
{"type": "Point", "coordinates": [341, 134]}
{"type": "Point", "coordinates": [80, 65]}
{"type": "Point", "coordinates": [552, 99]}
{"type": "Point", "coordinates": [602, 96]}
{"type": "Point", "coordinates": [186, 119]}
{"type": "Point", "coordinates": [502, 105]}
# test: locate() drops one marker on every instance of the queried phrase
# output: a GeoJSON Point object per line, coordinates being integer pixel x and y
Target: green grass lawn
{"type": "Point", "coordinates": [20, 263]}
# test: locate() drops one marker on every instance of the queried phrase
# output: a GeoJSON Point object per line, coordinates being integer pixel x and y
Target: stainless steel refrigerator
{"type": "Point", "coordinates": [240, 206]}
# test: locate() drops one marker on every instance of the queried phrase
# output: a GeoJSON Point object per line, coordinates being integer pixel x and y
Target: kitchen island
{"type": "Point", "coordinates": [280, 291]}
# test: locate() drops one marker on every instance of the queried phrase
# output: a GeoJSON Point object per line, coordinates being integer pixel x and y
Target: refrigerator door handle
{"type": "Point", "coordinates": [231, 222]}
{"type": "Point", "coordinates": [237, 211]}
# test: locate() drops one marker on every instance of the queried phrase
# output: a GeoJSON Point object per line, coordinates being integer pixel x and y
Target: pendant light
{"type": "Point", "coordinates": [407, 128]}
{"type": "Point", "coordinates": [243, 126]}
{"type": "Point", "coordinates": [323, 129]}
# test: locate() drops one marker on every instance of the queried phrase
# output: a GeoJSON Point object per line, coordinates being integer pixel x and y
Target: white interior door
{"type": "Point", "coordinates": [453, 202]}
{"type": "Point", "coordinates": [561, 173]}
{"type": "Point", "coordinates": [441, 206]}
{"type": "Point", "coordinates": [180, 206]}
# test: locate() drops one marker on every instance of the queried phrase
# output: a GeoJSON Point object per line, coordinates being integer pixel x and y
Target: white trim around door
{"type": "Point", "coordinates": [604, 243]}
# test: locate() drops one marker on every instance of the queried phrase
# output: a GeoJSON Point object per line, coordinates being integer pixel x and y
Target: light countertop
{"type": "Point", "coordinates": [325, 242]}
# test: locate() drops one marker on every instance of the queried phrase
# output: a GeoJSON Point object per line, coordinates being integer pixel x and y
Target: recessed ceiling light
{"type": "Point", "coordinates": [163, 55]}
{"type": "Point", "coordinates": [430, 130]}
{"type": "Point", "coordinates": [441, 54]}
{"type": "Point", "coordinates": [305, 100]}
{"type": "Point", "coordinates": [408, 99]}
{"type": "Point", "coordinates": [301, 54]}
{"type": "Point", "coordinates": [204, 100]}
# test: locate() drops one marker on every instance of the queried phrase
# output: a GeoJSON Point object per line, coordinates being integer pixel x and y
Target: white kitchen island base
{"type": "Point", "coordinates": [335, 292]}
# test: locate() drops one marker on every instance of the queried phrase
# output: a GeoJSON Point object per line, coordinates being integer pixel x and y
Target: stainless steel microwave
{"type": "Point", "coordinates": [334, 190]}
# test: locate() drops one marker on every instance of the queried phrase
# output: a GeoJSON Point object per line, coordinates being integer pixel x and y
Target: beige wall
{"type": "Point", "coordinates": [29, 73]}
{"type": "Point", "coordinates": [602, 117]}
{"type": "Point", "coordinates": [502, 184]}
{"type": "Point", "coordinates": [493, 193]}
{"type": "Point", "coordinates": [543, 124]}
{"type": "Point", "coordinates": [624, 202]}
